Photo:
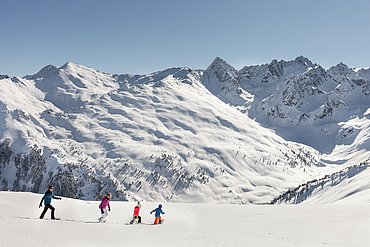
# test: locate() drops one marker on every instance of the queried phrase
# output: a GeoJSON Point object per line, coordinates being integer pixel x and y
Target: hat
{"type": "Point", "coordinates": [51, 187]}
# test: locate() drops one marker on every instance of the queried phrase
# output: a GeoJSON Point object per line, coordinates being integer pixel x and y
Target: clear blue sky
{"type": "Point", "coordinates": [141, 36]}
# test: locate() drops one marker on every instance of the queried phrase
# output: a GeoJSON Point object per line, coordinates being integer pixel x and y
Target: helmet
{"type": "Point", "coordinates": [160, 205]}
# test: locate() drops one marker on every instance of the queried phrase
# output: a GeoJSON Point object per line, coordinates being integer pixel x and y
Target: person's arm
{"type": "Point", "coordinates": [152, 211]}
{"type": "Point", "coordinates": [42, 199]}
{"type": "Point", "coordinates": [108, 206]}
{"type": "Point", "coordinates": [162, 212]}
{"type": "Point", "coordinates": [57, 198]}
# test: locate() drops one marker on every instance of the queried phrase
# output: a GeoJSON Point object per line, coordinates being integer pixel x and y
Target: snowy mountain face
{"type": "Point", "coordinates": [222, 80]}
{"type": "Point", "coordinates": [293, 96]}
{"type": "Point", "coordinates": [182, 134]}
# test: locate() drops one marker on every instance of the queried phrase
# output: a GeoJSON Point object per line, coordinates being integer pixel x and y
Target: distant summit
{"type": "Point", "coordinates": [45, 72]}
{"type": "Point", "coordinates": [4, 77]}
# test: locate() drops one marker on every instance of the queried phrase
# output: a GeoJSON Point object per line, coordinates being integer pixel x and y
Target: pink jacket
{"type": "Point", "coordinates": [104, 203]}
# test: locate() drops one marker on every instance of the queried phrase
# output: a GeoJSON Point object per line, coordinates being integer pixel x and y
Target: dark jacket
{"type": "Point", "coordinates": [47, 198]}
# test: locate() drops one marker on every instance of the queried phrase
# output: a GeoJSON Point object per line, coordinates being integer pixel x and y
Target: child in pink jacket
{"type": "Point", "coordinates": [103, 207]}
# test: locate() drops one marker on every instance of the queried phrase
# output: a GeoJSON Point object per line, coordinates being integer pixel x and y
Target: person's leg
{"type": "Point", "coordinates": [52, 212]}
{"type": "Point", "coordinates": [160, 220]}
{"type": "Point", "coordinates": [102, 213]}
{"type": "Point", "coordinates": [156, 220]}
{"type": "Point", "coordinates": [139, 217]}
{"type": "Point", "coordinates": [105, 215]}
{"type": "Point", "coordinates": [44, 212]}
{"type": "Point", "coordinates": [133, 220]}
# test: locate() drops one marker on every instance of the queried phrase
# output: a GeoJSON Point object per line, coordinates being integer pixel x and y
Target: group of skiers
{"type": "Point", "coordinates": [104, 207]}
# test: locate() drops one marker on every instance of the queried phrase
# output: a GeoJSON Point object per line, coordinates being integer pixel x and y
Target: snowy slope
{"type": "Point", "coordinates": [346, 185]}
{"type": "Point", "coordinates": [354, 188]}
{"type": "Point", "coordinates": [183, 134]}
{"type": "Point", "coordinates": [302, 102]}
{"type": "Point", "coordinates": [161, 136]}
{"type": "Point", "coordinates": [185, 224]}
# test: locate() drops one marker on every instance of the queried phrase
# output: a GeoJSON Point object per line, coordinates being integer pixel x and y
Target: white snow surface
{"type": "Point", "coordinates": [332, 225]}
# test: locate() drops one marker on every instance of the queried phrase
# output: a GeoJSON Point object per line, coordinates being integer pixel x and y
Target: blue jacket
{"type": "Point", "coordinates": [47, 198]}
{"type": "Point", "coordinates": [158, 212]}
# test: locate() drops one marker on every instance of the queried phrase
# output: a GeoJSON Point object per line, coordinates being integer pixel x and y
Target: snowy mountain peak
{"type": "Point", "coordinates": [45, 72]}
{"type": "Point", "coordinates": [340, 69]}
{"type": "Point", "coordinates": [221, 72]}
{"type": "Point", "coordinates": [182, 74]}
{"type": "Point", "coordinates": [222, 80]}
{"type": "Point", "coordinates": [51, 70]}
{"type": "Point", "coordinates": [69, 65]}
{"type": "Point", "coordinates": [276, 69]}
{"type": "Point", "coordinates": [295, 66]}
{"type": "Point", "coordinates": [305, 61]}
{"type": "Point", "coordinates": [365, 74]}
{"type": "Point", "coordinates": [361, 69]}
{"type": "Point", "coordinates": [4, 77]}
{"type": "Point", "coordinates": [221, 65]}
{"type": "Point", "coordinates": [72, 85]}
{"type": "Point", "coordinates": [218, 60]}
{"type": "Point", "coordinates": [72, 66]}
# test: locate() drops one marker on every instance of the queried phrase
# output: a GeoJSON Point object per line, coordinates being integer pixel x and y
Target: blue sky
{"type": "Point", "coordinates": [141, 36]}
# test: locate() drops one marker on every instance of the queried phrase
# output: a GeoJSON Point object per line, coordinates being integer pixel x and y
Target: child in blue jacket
{"type": "Point", "coordinates": [158, 211]}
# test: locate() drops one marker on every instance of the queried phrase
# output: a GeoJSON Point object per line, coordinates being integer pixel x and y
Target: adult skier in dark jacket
{"type": "Point", "coordinates": [49, 195]}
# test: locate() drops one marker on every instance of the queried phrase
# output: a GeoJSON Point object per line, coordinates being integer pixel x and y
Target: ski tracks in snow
{"type": "Point", "coordinates": [74, 221]}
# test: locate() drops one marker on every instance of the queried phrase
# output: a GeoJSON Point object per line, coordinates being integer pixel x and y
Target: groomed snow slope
{"type": "Point", "coordinates": [345, 225]}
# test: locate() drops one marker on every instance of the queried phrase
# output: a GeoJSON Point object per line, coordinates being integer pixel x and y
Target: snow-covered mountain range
{"type": "Point", "coordinates": [214, 135]}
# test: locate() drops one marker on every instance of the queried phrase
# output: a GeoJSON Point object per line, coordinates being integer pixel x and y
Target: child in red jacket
{"type": "Point", "coordinates": [136, 214]}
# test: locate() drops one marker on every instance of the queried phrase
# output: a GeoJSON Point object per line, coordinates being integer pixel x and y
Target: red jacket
{"type": "Point", "coordinates": [136, 211]}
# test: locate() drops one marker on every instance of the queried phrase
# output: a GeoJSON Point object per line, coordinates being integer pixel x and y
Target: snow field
{"type": "Point", "coordinates": [185, 224]}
